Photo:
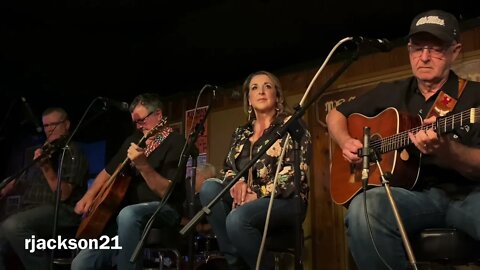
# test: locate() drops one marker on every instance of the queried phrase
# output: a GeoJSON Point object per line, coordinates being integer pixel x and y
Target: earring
{"type": "Point", "coordinates": [249, 113]}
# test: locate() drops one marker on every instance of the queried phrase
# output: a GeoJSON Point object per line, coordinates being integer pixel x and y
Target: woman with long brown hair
{"type": "Point", "coordinates": [238, 219]}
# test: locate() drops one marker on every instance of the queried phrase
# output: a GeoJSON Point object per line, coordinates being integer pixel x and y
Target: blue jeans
{"type": "Point", "coordinates": [239, 231]}
{"type": "Point", "coordinates": [130, 221]}
{"type": "Point", "coordinates": [419, 210]}
{"type": "Point", "coordinates": [36, 221]}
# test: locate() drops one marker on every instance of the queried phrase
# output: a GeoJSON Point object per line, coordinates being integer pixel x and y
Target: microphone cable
{"type": "Point", "coordinates": [370, 233]}
{"type": "Point", "coordinates": [59, 176]}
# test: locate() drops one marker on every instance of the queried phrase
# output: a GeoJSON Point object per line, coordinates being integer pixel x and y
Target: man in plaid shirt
{"type": "Point", "coordinates": [38, 184]}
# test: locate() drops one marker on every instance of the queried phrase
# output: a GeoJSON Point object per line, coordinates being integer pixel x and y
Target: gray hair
{"type": "Point", "coordinates": [151, 101]}
{"type": "Point", "coordinates": [207, 169]}
{"type": "Point", "coordinates": [62, 112]}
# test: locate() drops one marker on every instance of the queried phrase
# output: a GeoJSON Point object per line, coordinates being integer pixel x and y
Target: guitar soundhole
{"type": "Point", "coordinates": [375, 137]}
{"type": "Point", "coordinates": [375, 142]}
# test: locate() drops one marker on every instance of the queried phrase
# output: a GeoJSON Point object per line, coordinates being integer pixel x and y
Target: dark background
{"type": "Point", "coordinates": [66, 52]}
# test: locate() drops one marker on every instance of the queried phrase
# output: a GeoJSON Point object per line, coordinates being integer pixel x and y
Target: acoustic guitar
{"type": "Point", "coordinates": [389, 139]}
{"type": "Point", "coordinates": [109, 197]}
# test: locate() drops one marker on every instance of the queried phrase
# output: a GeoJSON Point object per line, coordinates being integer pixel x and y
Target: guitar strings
{"type": "Point", "coordinates": [401, 139]}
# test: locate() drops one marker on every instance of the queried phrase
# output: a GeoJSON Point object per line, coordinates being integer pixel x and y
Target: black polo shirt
{"type": "Point", "coordinates": [405, 96]}
{"type": "Point", "coordinates": [164, 159]}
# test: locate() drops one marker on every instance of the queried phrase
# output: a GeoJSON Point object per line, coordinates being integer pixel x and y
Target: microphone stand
{"type": "Point", "coordinates": [58, 196]}
{"type": "Point", "coordinates": [296, 136]}
{"type": "Point", "coordinates": [17, 174]}
{"type": "Point", "coordinates": [189, 149]}
{"type": "Point", "coordinates": [272, 138]}
{"type": "Point", "coordinates": [191, 198]}
{"type": "Point", "coordinates": [59, 178]}
{"type": "Point", "coordinates": [386, 184]}
{"type": "Point", "coordinates": [369, 154]}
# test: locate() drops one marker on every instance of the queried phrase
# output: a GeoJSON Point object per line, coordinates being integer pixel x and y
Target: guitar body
{"type": "Point", "coordinates": [403, 163]}
{"type": "Point", "coordinates": [106, 203]}
{"type": "Point", "coordinates": [109, 196]}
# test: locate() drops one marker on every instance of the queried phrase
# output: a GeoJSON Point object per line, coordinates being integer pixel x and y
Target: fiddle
{"type": "Point", "coordinates": [51, 147]}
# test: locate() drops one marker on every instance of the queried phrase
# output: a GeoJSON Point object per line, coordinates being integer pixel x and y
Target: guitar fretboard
{"type": "Point", "coordinates": [442, 125]}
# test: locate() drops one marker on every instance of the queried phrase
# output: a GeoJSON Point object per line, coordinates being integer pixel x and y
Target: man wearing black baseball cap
{"type": "Point", "coordinates": [446, 191]}
{"type": "Point", "coordinates": [439, 23]}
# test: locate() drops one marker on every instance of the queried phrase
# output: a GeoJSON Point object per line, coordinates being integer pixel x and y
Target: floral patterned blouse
{"type": "Point", "coordinates": [264, 169]}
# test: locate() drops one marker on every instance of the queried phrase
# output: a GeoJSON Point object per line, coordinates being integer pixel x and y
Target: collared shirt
{"type": "Point", "coordinates": [265, 167]}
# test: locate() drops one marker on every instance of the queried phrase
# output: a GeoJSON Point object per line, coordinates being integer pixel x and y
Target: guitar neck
{"type": "Point", "coordinates": [442, 125]}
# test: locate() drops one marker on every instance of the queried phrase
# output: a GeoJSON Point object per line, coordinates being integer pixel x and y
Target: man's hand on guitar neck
{"type": "Point", "coordinates": [427, 140]}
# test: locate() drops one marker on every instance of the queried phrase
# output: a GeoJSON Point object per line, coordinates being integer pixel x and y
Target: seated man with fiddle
{"type": "Point", "coordinates": [39, 184]}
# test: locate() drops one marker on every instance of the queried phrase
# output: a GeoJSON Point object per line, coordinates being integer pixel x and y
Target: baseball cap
{"type": "Point", "coordinates": [439, 23]}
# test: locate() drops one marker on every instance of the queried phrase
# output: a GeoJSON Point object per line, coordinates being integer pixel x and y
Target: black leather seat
{"type": "Point", "coordinates": [62, 259]}
{"type": "Point", "coordinates": [162, 245]}
{"type": "Point", "coordinates": [446, 246]}
{"type": "Point", "coordinates": [283, 242]}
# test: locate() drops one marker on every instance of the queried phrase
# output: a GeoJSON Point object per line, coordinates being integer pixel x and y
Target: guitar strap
{"type": "Point", "coordinates": [445, 103]}
{"type": "Point", "coordinates": [158, 139]}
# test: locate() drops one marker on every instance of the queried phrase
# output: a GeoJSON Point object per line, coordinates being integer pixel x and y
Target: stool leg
{"type": "Point", "coordinates": [177, 255]}
{"type": "Point", "coordinates": [277, 261]}
{"type": "Point", "coordinates": [160, 259]}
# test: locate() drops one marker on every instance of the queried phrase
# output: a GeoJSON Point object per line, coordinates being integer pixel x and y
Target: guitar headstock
{"type": "Point", "coordinates": [448, 123]}
{"type": "Point", "coordinates": [474, 115]}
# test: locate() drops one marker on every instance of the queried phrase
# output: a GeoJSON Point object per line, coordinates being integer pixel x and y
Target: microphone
{"type": "Point", "coordinates": [30, 115]}
{"type": "Point", "coordinates": [383, 44]}
{"type": "Point", "coordinates": [107, 102]}
{"type": "Point", "coordinates": [366, 155]}
{"type": "Point", "coordinates": [214, 89]}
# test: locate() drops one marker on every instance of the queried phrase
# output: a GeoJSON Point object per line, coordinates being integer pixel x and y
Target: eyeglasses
{"type": "Point", "coordinates": [434, 51]}
{"type": "Point", "coordinates": [54, 124]}
{"type": "Point", "coordinates": [141, 121]}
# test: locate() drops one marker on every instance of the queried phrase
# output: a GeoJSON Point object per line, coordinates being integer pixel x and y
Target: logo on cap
{"type": "Point", "coordinates": [430, 20]}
